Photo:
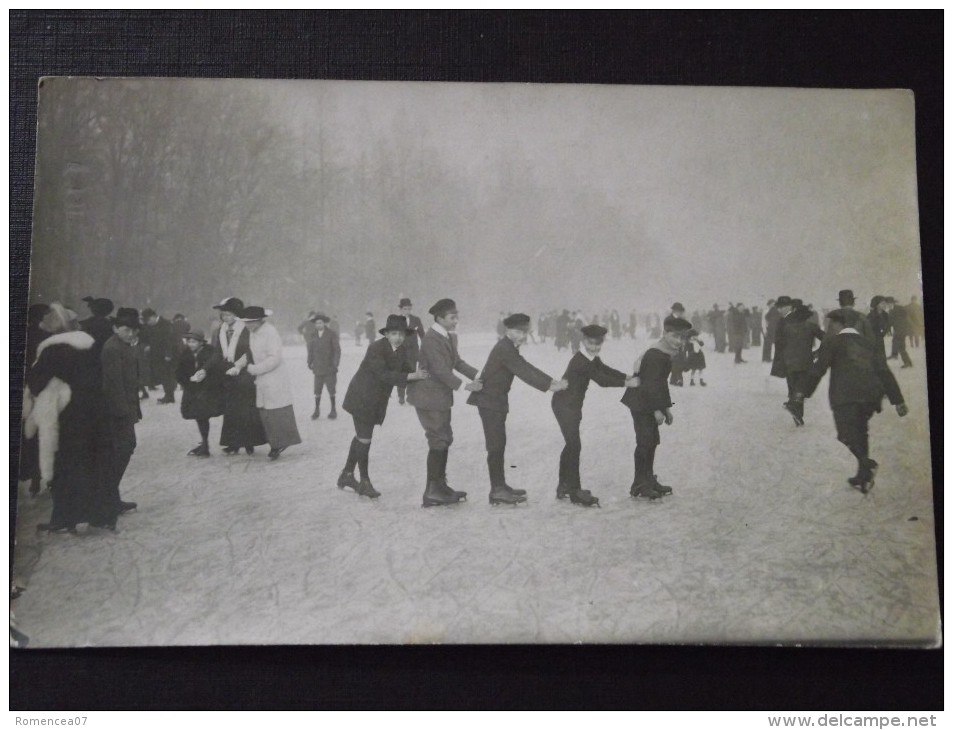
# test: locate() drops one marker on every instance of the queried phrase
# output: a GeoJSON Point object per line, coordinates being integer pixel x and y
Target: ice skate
{"type": "Point", "coordinates": [662, 489]}
{"type": "Point", "coordinates": [701, 382]}
{"type": "Point", "coordinates": [437, 495]}
{"type": "Point", "coordinates": [200, 450]}
{"type": "Point", "coordinates": [505, 495]}
{"type": "Point", "coordinates": [230, 450]}
{"type": "Point", "coordinates": [583, 497]}
{"type": "Point", "coordinates": [317, 413]}
{"type": "Point", "coordinates": [691, 382]}
{"type": "Point", "coordinates": [864, 481]}
{"type": "Point", "coordinates": [346, 479]}
{"type": "Point", "coordinates": [460, 495]}
{"type": "Point", "coordinates": [248, 450]}
{"type": "Point", "coordinates": [333, 414]}
{"type": "Point", "coordinates": [366, 489]}
{"type": "Point", "coordinates": [56, 529]}
{"type": "Point", "coordinates": [645, 490]}
{"type": "Point", "coordinates": [791, 407]}
{"type": "Point", "coordinates": [127, 507]}
{"type": "Point", "coordinates": [275, 453]}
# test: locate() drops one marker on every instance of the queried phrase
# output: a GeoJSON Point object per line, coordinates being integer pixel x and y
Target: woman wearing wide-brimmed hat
{"type": "Point", "coordinates": [241, 422]}
{"type": "Point", "coordinates": [64, 408]}
{"type": "Point", "coordinates": [385, 365]}
{"type": "Point", "coordinates": [272, 392]}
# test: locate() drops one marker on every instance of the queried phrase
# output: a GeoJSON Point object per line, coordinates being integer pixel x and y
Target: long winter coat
{"type": "Point", "coordinates": [382, 368]}
{"type": "Point", "coordinates": [859, 374]}
{"type": "Point", "coordinates": [439, 356]}
{"type": "Point", "coordinates": [271, 380]}
{"type": "Point", "coordinates": [794, 347]}
{"type": "Point", "coordinates": [206, 399]}
{"type": "Point", "coordinates": [241, 424]}
{"type": "Point", "coordinates": [324, 352]}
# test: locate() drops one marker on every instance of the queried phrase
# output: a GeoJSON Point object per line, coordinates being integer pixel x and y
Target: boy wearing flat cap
{"type": "Point", "coordinates": [433, 398]}
{"type": "Point", "coordinates": [584, 366]}
{"type": "Point", "coordinates": [384, 366]}
{"type": "Point", "coordinates": [650, 404]}
{"type": "Point", "coordinates": [503, 364]}
{"type": "Point", "coordinates": [859, 380]}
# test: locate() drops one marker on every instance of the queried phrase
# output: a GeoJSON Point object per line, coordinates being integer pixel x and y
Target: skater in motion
{"type": "Point", "coordinates": [384, 365]}
{"type": "Point", "coordinates": [503, 364]}
{"type": "Point", "coordinates": [794, 351]}
{"type": "Point", "coordinates": [199, 373]}
{"type": "Point", "coordinates": [859, 380]}
{"type": "Point", "coordinates": [324, 357]}
{"type": "Point", "coordinates": [584, 366]}
{"type": "Point", "coordinates": [650, 405]}
{"type": "Point", "coordinates": [432, 398]}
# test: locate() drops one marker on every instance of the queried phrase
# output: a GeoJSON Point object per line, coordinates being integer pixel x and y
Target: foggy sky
{"type": "Point", "coordinates": [544, 196]}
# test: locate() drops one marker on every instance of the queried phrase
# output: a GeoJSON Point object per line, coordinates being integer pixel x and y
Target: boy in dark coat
{"type": "Point", "coordinates": [503, 364]}
{"type": "Point", "coordinates": [859, 380]}
{"type": "Point", "coordinates": [412, 343]}
{"type": "Point", "coordinates": [199, 373]}
{"type": "Point", "coordinates": [324, 356]}
{"type": "Point", "coordinates": [584, 366]}
{"type": "Point", "coordinates": [433, 398]}
{"type": "Point", "coordinates": [384, 366]}
{"type": "Point", "coordinates": [650, 404]}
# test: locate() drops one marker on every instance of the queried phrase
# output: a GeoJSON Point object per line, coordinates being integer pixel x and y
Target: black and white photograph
{"type": "Point", "coordinates": [385, 362]}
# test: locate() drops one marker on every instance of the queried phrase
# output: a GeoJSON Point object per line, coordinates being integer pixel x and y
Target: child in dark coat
{"type": "Point", "coordinates": [199, 375]}
{"type": "Point", "coordinates": [584, 366]}
{"type": "Point", "coordinates": [650, 404]}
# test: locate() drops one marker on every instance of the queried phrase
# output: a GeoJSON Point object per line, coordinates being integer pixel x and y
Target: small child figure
{"type": "Point", "coordinates": [695, 360]}
{"type": "Point", "coordinates": [200, 377]}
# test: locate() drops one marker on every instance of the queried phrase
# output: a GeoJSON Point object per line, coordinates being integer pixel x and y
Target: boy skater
{"type": "Point", "coordinates": [584, 366]}
{"type": "Point", "coordinates": [650, 405]}
{"type": "Point", "coordinates": [199, 373]}
{"type": "Point", "coordinates": [492, 400]}
{"type": "Point", "coordinates": [384, 366]}
{"type": "Point", "coordinates": [433, 398]}
{"type": "Point", "coordinates": [860, 378]}
{"type": "Point", "coordinates": [324, 356]}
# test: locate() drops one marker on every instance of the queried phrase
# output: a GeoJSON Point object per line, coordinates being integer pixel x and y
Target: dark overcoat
{"type": "Point", "coordinates": [206, 399]}
{"type": "Point", "coordinates": [503, 364]}
{"type": "Point", "coordinates": [859, 374]}
{"type": "Point", "coordinates": [579, 372]}
{"type": "Point", "coordinates": [241, 425]}
{"type": "Point", "coordinates": [794, 348]}
{"type": "Point", "coordinates": [652, 394]}
{"type": "Point", "coordinates": [324, 352]}
{"type": "Point", "coordinates": [382, 368]}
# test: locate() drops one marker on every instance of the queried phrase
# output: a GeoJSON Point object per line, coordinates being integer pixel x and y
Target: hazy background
{"type": "Point", "coordinates": [344, 195]}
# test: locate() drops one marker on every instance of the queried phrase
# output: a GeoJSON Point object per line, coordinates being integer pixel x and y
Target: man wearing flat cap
{"type": "Point", "coordinates": [503, 364]}
{"type": "Point", "coordinates": [859, 380]}
{"type": "Point", "coordinates": [324, 357]}
{"type": "Point", "coordinates": [412, 343]}
{"type": "Point", "coordinates": [433, 398]}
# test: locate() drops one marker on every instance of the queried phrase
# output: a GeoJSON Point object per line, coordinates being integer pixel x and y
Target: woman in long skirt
{"type": "Point", "coordinates": [241, 422]}
{"type": "Point", "coordinates": [273, 394]}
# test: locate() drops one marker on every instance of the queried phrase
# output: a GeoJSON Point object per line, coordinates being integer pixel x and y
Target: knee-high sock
{"type": "Point", "coordinates": [352, 456]}
{"type": "Point", "coordinates": [363, 457]}
{"type": "Point", "coordinates": [203, 429]}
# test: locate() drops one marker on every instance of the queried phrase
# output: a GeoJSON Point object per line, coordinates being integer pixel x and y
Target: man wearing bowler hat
{"type": "Point", "coordinates": [503, 364]}
{"type": "Point", "coordinates": [324, 356]}
{"type": "Point", "coordinates": [412, 343]}
{"type": "Point", "coordinates": [854, 319]}
{"type": "Point", "coordinates": [439, 356]}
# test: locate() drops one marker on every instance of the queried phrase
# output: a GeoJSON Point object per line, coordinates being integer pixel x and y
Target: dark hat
{"type": "Point", "coordinates": [677, 307]}
{"type": "Point", "coordinates": [876, 301]}
{"type": "Point", "coordinates": [396, 322]}
{"type": "Point", "coordinates": [518, 321]}
{"type": "Point", "coordinates": [797, 302]}
{"type": "Point", "coordinates": [784, 301]}
{"type": "Point", "coordinates": [594, 331]}
{"type": "Point", "coordinates": [679, 325]}
{"type": "Point", "coordinates": [37, 312]}
{"type": "Point", "coordinates": [146, 313]}
{"type": "Point", "coordinates": [101, 307]}
{"type": "Point", "coordinates": [443, 307]}
{"type": "Point", "coordinates": [405, 302]}
{"type": "Point", "coordinates": [233, 305]}
{"type": "Point", "coordinates": [178, 316]}
{"type": "Point", "coordinates": [315, 316]}
{"type": "Point", "coordinates": [890, 300]}
{"type": "Point", "coordinates": [126, 317]}
{"type": "Point", "coordinates": [254, 313]}
{"type": "Point", "coordinates": [89, 300]}
{"type": "Point", "coordinates": [845, 296]}
{"type": "Point", "coordinates": [194, 335]}
{"type": "Point", "coordinates": [838, 315]}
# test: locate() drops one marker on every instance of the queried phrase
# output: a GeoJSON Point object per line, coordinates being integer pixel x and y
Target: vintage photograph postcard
{"type": "Point", "coordinates": [342, 362]}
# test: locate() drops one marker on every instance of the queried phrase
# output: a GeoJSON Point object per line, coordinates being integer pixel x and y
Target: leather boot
{"type": "Point", "coordinates": [436, 495]}
{"type": "Point", "coordinates": [583, 497]}
{"type": "Point", "coordinates": [441, 475]}
{"type": "Point", "coordinates": [317, 410]}
{"type": "Point", "coordinates": [334, 411]}
{"type": "Point", "coordinates": [503, 494]}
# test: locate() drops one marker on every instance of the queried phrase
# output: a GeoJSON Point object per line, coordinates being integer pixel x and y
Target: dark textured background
{"type": "Point", "coordinates": [842, 50]}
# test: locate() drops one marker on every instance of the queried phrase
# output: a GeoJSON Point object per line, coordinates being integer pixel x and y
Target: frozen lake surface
{"type": "Point", "coordinates": [763, 541]}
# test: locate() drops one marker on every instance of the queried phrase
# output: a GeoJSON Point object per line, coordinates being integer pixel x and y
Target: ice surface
{"type": "Point", "coordinates": [762, 541]}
